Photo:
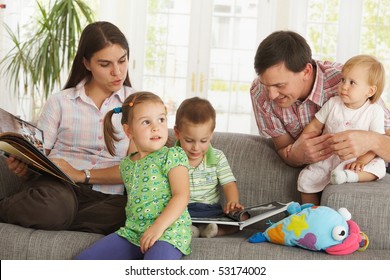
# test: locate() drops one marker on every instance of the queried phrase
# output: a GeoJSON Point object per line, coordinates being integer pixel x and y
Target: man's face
{"type": "Point", "coordinates": [283, 86]}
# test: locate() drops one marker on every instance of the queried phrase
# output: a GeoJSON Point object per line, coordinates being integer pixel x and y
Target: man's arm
{"type": "Point", "coordinates": [308, 148]}
{"type": "Point", "coordinates": [354, 143]}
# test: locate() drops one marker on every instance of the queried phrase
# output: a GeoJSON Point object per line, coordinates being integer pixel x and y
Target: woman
{"type": "Point", "coordinates": [72, 121]}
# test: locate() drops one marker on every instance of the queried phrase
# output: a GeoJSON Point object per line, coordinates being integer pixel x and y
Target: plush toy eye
{"type": "Point", "coordinates": [339, 233]}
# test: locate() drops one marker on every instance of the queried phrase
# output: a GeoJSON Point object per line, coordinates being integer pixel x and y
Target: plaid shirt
{"type": "Point", "coordinates": [273, 121]}
{"type": "Point", "coordinates": [73, 131]}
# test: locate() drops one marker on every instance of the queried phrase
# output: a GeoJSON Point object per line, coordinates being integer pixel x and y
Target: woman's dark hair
{"type": "Point", "coordinates": [95, 37]}
{"type": "Point", "coordinates": [285, 47]}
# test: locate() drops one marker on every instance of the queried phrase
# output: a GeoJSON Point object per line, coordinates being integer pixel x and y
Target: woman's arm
{"type": "Point", "coordinates": [180, 189]}
{"type": "Point", "coordinates": [110, 175]}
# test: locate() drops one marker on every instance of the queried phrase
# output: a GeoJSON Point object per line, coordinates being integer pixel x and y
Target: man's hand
{"type": "Point", "coordinates": [308, 148]}
{"type": "Point", "coordinates": [351, 144]}
{"type": "Point", "coordinates": [313, 149]}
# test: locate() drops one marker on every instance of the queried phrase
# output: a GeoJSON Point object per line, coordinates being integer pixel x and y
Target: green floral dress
{"type": "Point", "coordinates": [148, 193]}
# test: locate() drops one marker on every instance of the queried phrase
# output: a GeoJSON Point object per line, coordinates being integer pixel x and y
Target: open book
{"type": "Point", "coordinates": [24, 141]}
{"type": "Point", "coordinates": [256, 214]}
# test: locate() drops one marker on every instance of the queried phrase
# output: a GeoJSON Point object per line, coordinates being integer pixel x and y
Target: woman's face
{"type": "Point", "coordinates": [108, 67]}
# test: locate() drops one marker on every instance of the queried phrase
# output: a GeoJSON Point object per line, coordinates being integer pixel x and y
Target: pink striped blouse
{"type": "Point", "coordinates": [73, 131]}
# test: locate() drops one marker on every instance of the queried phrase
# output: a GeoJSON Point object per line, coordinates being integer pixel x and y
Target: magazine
{"type": "Point", "coordinates": [24, 141]}
{"type": "Point", "coordinates": [256, 213]}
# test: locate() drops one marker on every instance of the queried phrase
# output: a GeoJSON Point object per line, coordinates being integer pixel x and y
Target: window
{"type": "Point", "coordinates": [322, 28]}
{"type": "Point", "coordinates": [333, 31]}
{"type": "Point", "coordinates": [201, 48]}
{"type": "Point", "coordinates": [375, 35]}
{"type": "Point", "coordinates": [185, 48]}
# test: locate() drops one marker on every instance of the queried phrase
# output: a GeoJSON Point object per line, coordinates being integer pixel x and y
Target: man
{"type": "Point", "coordinates": [290, 88]}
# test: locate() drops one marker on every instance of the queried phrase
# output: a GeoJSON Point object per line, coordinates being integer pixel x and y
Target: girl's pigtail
{"type": "Point", "coordinates": [109, 131]}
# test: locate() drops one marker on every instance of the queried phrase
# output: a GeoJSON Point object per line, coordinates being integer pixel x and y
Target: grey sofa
{"type": "Point", "coordinates": [262, 177]}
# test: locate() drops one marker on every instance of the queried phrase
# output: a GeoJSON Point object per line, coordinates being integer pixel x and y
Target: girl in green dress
{"type": "Point", "coordinates": [157, 184]}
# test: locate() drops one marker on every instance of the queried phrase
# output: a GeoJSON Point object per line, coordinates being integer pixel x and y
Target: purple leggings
{"type": "Point", "coordinates": [115, 247]}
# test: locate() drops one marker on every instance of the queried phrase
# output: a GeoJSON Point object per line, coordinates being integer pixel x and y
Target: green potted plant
{"type": "Point", "coordinates": [33, 66]}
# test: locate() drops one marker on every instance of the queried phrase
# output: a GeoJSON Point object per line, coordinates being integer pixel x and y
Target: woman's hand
{"type": "Point", "coordinates": [18, 167]}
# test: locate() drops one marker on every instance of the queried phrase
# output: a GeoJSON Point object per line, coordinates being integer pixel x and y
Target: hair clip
{"type": "Point", "coordinates": [117, 110]}
{"type": "Point", "coordinates": [131, 104]}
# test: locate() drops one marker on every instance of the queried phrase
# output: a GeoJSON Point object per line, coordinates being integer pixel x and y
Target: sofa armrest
{"type": "Point", "coordinates": [369, 204]}
{"type": "Point", "coordinates": [9, 183]}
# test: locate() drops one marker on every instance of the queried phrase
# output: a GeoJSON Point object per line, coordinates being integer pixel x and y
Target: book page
{"type": "Point", "coordinates": [38, 164]}
{"type": "Point", "coordinates": [11, 123]}
{"type": "Point", "coordinates": [24, 141]}
{"type": "Point", "coordinates": [255, 210]}
{"type": "Point", "coordinates": [257, 213]}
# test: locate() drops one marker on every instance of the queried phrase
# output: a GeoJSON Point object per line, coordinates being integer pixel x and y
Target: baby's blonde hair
{"type": "Point", "coordinates": [376, 72]}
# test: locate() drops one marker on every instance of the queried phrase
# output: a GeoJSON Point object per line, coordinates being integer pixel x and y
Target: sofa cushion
{"type": "Point", "coordinates": [369, 205]}
{"type": "Point", "coordinates": [30, 244]}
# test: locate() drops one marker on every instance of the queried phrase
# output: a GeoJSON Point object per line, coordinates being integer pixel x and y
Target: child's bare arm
{"type": "Point", "coordinates": [361, 161]}
{"type": "Point", "coordinates": [315, 125]}
{"type": "Point", "coordinates": [232, 198]}
{"type": "Point", "coordinates": [180, 188]}
{"type": "Point", "coordinates": [303, 145]}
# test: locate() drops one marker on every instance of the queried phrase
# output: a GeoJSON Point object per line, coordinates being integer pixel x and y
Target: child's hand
{"type": "Point", "coordinates": [150, 236]}
{"type": "Point", "coordinates": [233, 206]}
{"type": "Point", "coordinates": [355, 166]}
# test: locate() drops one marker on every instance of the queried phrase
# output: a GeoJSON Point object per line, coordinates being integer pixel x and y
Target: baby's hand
{"type": "Point", "coordinates": [355, 166]}
{"type": "Point", "coordinates": [233, 206]}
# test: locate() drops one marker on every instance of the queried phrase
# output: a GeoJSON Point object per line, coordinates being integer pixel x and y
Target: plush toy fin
{"type": "Point", "coordinates": [295, 207]}
{"type": "Point", "coordinates": [257, 238]}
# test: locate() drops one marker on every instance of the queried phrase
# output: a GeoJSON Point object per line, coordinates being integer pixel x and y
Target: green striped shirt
{"type": "Point", "coordinates": [205, 179]}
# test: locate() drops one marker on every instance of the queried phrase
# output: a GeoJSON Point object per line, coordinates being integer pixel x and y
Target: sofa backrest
{"type": "Point", "coordinates": [261, 174]}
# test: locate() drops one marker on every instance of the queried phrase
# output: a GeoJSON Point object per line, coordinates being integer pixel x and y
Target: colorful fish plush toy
{"type": "Point", "coordinates": [316, 228]}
